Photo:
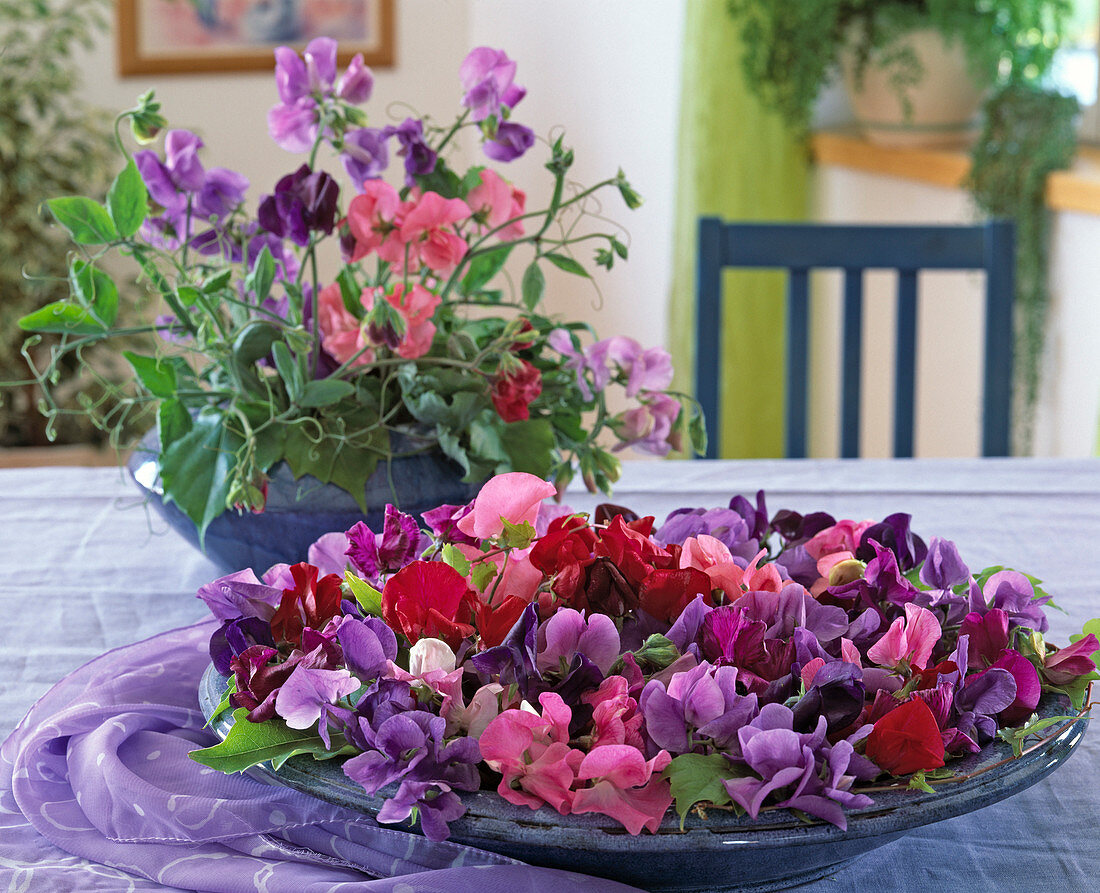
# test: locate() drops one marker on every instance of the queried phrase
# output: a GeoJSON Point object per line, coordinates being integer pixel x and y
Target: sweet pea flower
{"type": "Point", "coordinates": [419, 157]}
{"type": "Point", "coordinates": [843, 536]}
{"type": "Point", "coordinates": [373, 554]}
{"type": "Point", "coordinates": [625, 786]}
{"type": "Point", "coordinates": [906, 740]}
{"type": "Point", "coordinates": [893, 533]}
{"type": "Point", "coordinates": [1070, 662]}
{"type": "Point", "coordinates": [303, 202]}
{"type": "Point", "coordinates": [328, 553]}
{"type": "Point", "coordinates": [509, 141]}
{"type": "Point", "coordinates": [514, 496]}
{"type": "Point", "coordinates": [1028, 687]}
{"type": "Point", "coordinates": [487, 75]}
{"type": "Point", "coordinates": [514, 390]}
{"type": "Point", "coordinates": [311, 603]}
{"type": "Point", "coordinates": [648, 427]}
{"type": "Point", "coordinates": [943, 567]}
{"type": "Point", "coordinates": [701, 703]}
{"type": "Point", "coordinates": [615, 715]}
{"type": "Point", "coordinates": [987, 635]}
{"type": "Point", "coordinates": [646, 369]}
{"type": "Point", "coordinates": [427, 228]}
{"type": "Point", "coordinates": [369, 645]}
{"type": "Point", "coordinates": [239, 595]}
{"type": "Point", "coordinates": [493, 203]}
{"type": "Point", "coordinates": [365, 155]}
{"type": "Point", "coordinates": [910, 640]}
{"type": "Point", "coordinates": [1012, 593]}
{"type": "Point", "coordinates": [357, 83]}
{"type": "Point", "coordinates": [429, 598]}
{"type": "Point", "coordinates": [302, 699]}
{"type": "Point", "coordinates": [567, 633]}
{"type": "Point", "coordinates": [342, 335]}
{"type": "Point", "coordinates": [374, 219]}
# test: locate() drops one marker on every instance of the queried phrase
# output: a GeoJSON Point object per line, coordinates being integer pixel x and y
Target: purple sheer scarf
{"type": "Point", "coordinates": [97, 793]}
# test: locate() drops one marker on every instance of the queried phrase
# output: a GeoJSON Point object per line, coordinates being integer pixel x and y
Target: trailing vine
{"type": "Point", "coordinates": [1027, 133]}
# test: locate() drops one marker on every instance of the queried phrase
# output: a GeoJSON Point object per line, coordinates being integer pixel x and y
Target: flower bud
{"type": "Point", "coordinates": [846, 572]}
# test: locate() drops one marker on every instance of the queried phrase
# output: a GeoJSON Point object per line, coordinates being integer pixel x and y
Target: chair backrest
{"type": "Point", "coordinates": [799, 248]}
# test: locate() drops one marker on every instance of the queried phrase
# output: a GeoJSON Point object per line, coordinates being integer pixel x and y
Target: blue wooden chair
{"type": "Point", "coordinates": [799, 248]}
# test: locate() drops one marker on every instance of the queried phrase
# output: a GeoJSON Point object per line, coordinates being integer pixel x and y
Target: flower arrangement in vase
{"type": "Point", "coordinates": [606, 665]}
{"type": "Point", "coordinates": [413, 344]}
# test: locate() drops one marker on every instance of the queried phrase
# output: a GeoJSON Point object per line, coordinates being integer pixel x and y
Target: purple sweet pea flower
{"type": "Point", "coordinates": [514, 659]}
{"type": "Point", "coordinates": [409, 748]}
{"type": "Point", "coordinates": [235, 637]}
{"type": "Point", "coordinates": [240, 594]}
{"type": "Point", "coordinates": [368, 646]}
{"type": "Point", "coordinates": [293, 125]}
{"type": "Point", "coordinates": [355, 84]}
{"type": "Point", "coordinates": [306, 693]}
{"type": "Point", "coordinates": [365, 155]}
{"type": "Point", "coordinates": [443, 523]}
{"type": "Point", "coordinates": [567, 633]}
{"type": "Point", "coordinates": [291, 76]}
{"type": "Point", "coordinates": [419, 157]}
{"type": "Point", "coordinates": [893, 533]}
{"type": "Point", "coordinates": [304, 202]}
{"type": "Point", "coordinates": [487, 76]}
{"type": "Point", "coordinates": [701, 703]}
{"type": "Point", "coordinates": [794, 607]}
{"type": "Point", "coordinates": [943, 567]}
{"type": "Point", "coordinates": [373, 554]}
{"type": "Point", "coordinates": [329, 553]}
{"type": "Point", "coordinates": [836, 693]}
{"type": "Point", "coordinates": [646, 370]}
{"type": "Point", "coordinates": [1013, 593]}
{"type": "Point", "coordinates": [723, 524]}
{"type": "Point", "coordinates": [510, 141]}
{"type": "Point", "coordinates": [649, 427]}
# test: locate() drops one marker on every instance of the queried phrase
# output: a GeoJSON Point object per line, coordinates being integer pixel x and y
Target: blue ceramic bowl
{"type": "Point", "coordinates": [299, 510]}
{"type": "Point", "coordinates": [724, 852]}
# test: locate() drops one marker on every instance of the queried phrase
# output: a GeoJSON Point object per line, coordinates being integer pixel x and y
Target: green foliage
{"type": "Point", "coordinates": [248, 744]}
{"type": "Point", "coordinates": [51, 144]}
{"type": "Point", "coordinates": [695, 778]}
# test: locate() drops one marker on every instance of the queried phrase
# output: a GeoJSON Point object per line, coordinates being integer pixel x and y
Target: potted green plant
{"type": "Point", "coordinates": [354, 321]}
{"type": "Point", "coordinates": [889, 50]}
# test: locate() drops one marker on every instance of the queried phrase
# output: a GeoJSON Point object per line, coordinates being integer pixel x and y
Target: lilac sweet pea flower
{"type": "Point", "coordinates": [365, 155]}
{"type": "Point", "coordinates": [701, 703]}
{"type": "Point", "coordinates": [302, 699]}
{"type": "Point", "coordinates": [373, 554]}
{"type": "Point", "coordinates": [368, 646]}
{"type": "Point", "coordinates": [1013, 593]}
{"type": "Point", "coordinates": [487, 76]}
{"type": "Point", "coordinates": [567, 633]}
{"type": "Point", "coordinates": [649, 427]}
{"type": "Point", "coordinates": [240, 594]}
{"type": "Point", "coordinates": [646, 370]}
{"type": "Point", "coordinates": [943, 567]}
{"type": "Point", "coordinates": [329, 553]}
{"type": "Point", "coordinates": [357, 83]}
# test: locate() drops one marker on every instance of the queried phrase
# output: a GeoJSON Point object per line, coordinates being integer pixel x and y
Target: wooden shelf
{"type": "Point", "coordinates": [1076, 189]}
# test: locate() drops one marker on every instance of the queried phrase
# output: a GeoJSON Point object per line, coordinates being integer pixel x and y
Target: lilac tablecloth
{"type": "Point", "coordinates": [96, 792]}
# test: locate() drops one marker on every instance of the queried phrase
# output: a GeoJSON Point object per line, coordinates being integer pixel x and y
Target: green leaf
{"type": "Point", "coordinates": [85, 220]}
{"type": "Point", "coordinates": [173, 422]}
{"type": "Point", "coordinates": [128, 200]}
{"type": "Point", "coordinates": [325, 392]}
{"type": "Point", "coordinates": [333, 461]}
{"type": "Point", "coordinates": [249, 743]}
{"type": "Point", "coordinates": [254, 341]}
{"type": "Point", "coordinates": [484, 267]}
{"type": "Point", "coordinates": [533, 285]}
{"type": "Point", "coordinates": [95, 290]}
{"type": "Point", "coordinates": [369, 598]}
{"type": "Point", "coordinates": [482, 575]}
{"type": "Point", "coordinates": [516, 536]}
{"type": "Point", "coordinates": [223, 704]}
{"type": "Point", "coordinates": [157, 374]}
{"type": "Point", "coordinates": [1076, 689]}
{"type": "Point", "coordinates": [1091, 626]}
{"type": "Point", "coordinates": [288, 370]}
{"type": "Point", "coordinates": [197, 469]}
{"type": "Point", "coordinates": [530, 445]}
{"type": "Point", "coordinates": [259, 281]}
{"type": "Point", "coordinates": [456, 559]}
{"type": "Point", "coordinates": [564, 262]}
{"type": "Point", "coordinates": [697, 778]}
{"type": "Point", "coordinates": [61, 317]}
{"type": "Point", "coordinates": [632, 199]}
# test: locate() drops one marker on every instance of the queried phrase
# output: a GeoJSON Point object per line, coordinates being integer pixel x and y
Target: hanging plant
{"type": "Point", "coordinates": [1027, 133]}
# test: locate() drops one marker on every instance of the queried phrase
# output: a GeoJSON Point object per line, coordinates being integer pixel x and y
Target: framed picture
{"type": "Point", "coordinates": [187, 36]}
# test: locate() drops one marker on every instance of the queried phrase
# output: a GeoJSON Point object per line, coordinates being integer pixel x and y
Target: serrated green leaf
{"type": "Point", "coordinates": [533, 285]}
{"type": "Point", "coordinates": [332, 461]}
{"type": "Point", "coordinates": [697, 778]}
{"type": "Point", "coordinates": [95, 290]}
{"type": "Point", "coordinates": [86, 221]}
{"type": "Point", "coordinates": [455, 559]}
{"type": "Point", "coordinates": [249, 743]}
{"type": "Point", "coordinates": [564, 262]}
{"type": "Point", "coordinates": [325, 392]}
{"type": "Point", "coordinates": [223, 704]}
{"type": "Point", "coordinates": [1091, 626]}
{"type": "Point", "coordinates": [482, 575]}
{"type": "Point", "coordinates": [128, 200]}
{"type": "Point", "coordinates": [61, 317]}
{"type": "Point", "coordinates": [368, 598]}
{"type": "Point", "coordinates": [197, 469]}
{"type": "Point", "coordinates": [516, 536]}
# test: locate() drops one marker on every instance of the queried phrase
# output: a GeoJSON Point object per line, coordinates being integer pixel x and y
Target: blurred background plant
{"type": "Point", "coordinates": [51, 143]}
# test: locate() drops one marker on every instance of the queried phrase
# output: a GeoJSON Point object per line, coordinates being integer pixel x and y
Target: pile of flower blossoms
{"type": "Point", "coordinates": [600, 665]}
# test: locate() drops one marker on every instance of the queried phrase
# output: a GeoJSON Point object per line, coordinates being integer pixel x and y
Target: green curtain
{"type": "Point", "coordinates": [739, 161]}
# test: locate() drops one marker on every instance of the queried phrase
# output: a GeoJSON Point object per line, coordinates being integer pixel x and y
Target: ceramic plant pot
{"type": "Point", "coordinates": [941, 110]}
{"type": "Point", "coordinates": [299, 510]}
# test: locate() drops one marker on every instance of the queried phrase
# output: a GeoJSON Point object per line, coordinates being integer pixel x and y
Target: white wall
{"type": "Point", "coordinates": [608, 73]}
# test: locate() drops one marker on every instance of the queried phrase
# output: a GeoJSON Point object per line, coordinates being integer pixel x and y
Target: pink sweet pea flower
{"type": "Point", "coordinates": [495, 202]}
{"type": "Point", "coordinates": [341, 333]}
{"type": "Point", "coordinates": [374, 220]}
{"type": "Point", "coordinates": [514, 496]}
{"type": "Point", "coordinates": [615, 715]}
{"type": "Point", "coordinates": [533, 755]}
{"type": "Point", "coordinates": [1066, 664]}
{"type": "Point", "coordinates": [625, 786]}
{"type": "Point", "coordinates": [843, 536]}
{"type": "Point", "coordinates": [425, 230]}
{"type": "Point", "coordinates": [911, 639]}
{"type": "Point", "coordinates": [416, 309]}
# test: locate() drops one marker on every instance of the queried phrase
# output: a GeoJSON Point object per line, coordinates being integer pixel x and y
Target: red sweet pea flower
{"type": "Point", "coordinates": [311, 603]}
{"type": "Point", "coordinates": [665, 593]}
{"type": "Point", "coordinates": [513, 392]}
{"type": "Point", "coordinates": [563, 554]}
{"type": "Point", "coordinates": [631, 550]}
{"type": "Point", "coordinates": [907, 739]}
{"type": "Point", "coordinates": [429, 599]}
{"type": "Point", "coordinates": [495, 621]}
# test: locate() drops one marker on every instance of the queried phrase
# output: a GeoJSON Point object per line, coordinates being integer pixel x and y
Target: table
{"type": "Point", "coordinates": [86, 568]}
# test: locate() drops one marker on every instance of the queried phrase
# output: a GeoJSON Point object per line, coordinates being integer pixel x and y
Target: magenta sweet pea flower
{"type": "Point", "coordinates": [1070, 662]}
{"type": "Point", "coordinates": [374, 554]}
{"type": "Point", "coordinates": [987, 635]}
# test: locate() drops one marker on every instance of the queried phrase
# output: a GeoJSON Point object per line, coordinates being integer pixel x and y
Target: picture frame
{"type": "Point", "coordinates": [205, 36]}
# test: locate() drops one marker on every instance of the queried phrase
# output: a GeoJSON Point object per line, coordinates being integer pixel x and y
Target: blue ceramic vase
{"type": "Point", "coordinates": [299, 510]}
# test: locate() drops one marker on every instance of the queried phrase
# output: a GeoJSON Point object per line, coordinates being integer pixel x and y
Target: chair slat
{"type": "Point", "coordinates": [905, 374]}
{"type": "Point", "coordinates": [798, 352]}
{"type": "Point", "coordinates": [708, 328]}
{"type": "Point", "coordinates": [851, 362]}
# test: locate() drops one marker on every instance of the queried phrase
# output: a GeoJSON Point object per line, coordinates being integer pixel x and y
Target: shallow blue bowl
{"type": "Point", "coordinates": [719, 854]}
